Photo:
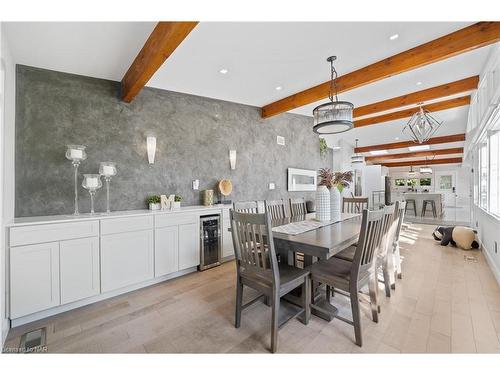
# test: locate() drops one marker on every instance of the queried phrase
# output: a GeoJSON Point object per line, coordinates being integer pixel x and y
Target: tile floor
{"type": "Point", "coordinates": [443, 304]}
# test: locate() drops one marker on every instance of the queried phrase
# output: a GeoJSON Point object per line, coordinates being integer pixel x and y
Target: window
{"type": "Point", "coordinates": [400, 182]}
{"type": "Point", "coordinates": [426, 181]}
{"type": "Point", "coordinates": [445, 182]}
{"type": "Point", "coordinates": [411, 182]}
{"type": "Point", "coordinates": [494, 173]}
{"type": "Point", "coordinates": [483, 176]}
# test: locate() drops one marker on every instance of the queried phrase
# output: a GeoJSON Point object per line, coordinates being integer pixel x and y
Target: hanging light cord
{"type": "Point", "coordinates": [333, 83]}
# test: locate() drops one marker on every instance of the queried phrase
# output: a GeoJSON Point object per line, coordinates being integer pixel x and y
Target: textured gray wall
{"type": "Point", "coordinates": [194, 135]}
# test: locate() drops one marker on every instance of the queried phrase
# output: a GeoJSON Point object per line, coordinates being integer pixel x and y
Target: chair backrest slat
{"type": "Point", "coordinates": [354, 205]}
{"type": "Point", "coordinates": [298, 207]}
{"type": "Point", "coordinates": [276, 209]}
{"type": "Point", "coordinates": [254, 245]}
{"type": "Point", "coordinates": [249, 207]}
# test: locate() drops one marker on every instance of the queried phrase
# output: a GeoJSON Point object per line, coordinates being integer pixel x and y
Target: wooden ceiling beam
{"type": "Point", "coordinates": [414, 163]}
{"type": "Point", "coordinates": [433, 107]}
{"type": "Point", "coordinates": [162, 42]}
{"type": "Point", "coordinates": [404, 144]}
{"type": "Point", "coordinates": [378, 159]}
{"type": "Point", "coordinates": [467, 39]}
{"type": "Point", "coordinates": [441, 91]}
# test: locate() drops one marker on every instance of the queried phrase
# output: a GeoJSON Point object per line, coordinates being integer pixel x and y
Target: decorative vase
{"type": "Point", "coordinates": [335, 204]}
{"type": "Point", "coordinates": [323, 210]}
{"type": "Point", "coordinates": [208, 198]}
{"type": "Point", "coordinates": [154, 206]}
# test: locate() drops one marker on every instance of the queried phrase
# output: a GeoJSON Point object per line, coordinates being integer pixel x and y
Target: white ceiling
{"type": "Point", "coordinates": [259, 56]}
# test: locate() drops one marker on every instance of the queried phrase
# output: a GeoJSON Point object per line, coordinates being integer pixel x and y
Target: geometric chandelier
{"type": "Point", "coordinates": [422, 126]}
{"type": "Point", "coordinates": [334, 116]}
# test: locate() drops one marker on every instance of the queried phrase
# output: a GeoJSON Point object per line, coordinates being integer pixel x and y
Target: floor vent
{"type": "Point", "coordinates": [34, 341]}
{"type": "Point", "coordinates": [470, 258]}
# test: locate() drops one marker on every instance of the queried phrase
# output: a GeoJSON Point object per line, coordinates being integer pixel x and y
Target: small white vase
{"type": "Point", "coordinates": [176, 205]}
{"type": "Point", "coordinates": [154, 206]}
{"type": "Point", "coordinates": [323, 210]}
{"type": "Point", "coordinates": [335, 204]}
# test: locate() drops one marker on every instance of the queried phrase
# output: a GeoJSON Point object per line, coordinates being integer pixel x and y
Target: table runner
{"type": "Point", "coordinates": [303, 226]}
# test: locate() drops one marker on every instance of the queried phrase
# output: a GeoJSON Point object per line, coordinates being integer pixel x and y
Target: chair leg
{"type": "Point", "coordinates": [356, 317]}
{"type": "Point", "coordinates": [389, 265]}
{"type": "Point", "coordinates": [415, 208]}
{"type": "Point", "coordinates": [274, 322]}
{"type": "Point", "coordinates": [306, 295]}
{"type": "Point", "coordinates": [373, 287]}
{"type": "Point", "coordinates": [267, 301]}
{"type": "Point", "coordinates": [239, 303]}
{"type": "Point", "coordinates": [328, 293]}
{"type": "Point", "coordinates": [397, 256]}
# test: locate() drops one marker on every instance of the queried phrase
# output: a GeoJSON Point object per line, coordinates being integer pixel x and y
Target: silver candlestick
{"type": "Point", "coordinates": [107, 169]}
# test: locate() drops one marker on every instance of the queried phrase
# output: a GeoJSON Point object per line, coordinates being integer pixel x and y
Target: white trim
{"type": "Point", "coordinates": [87, 301]}
{"type": "Point", "coordinates": [491, 263]}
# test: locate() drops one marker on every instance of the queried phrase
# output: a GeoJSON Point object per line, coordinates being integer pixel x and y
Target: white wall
{"type": "Point", "coordinates": [7, 133]}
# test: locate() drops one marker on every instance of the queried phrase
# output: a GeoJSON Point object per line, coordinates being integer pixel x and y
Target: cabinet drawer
{"type": "Point", "coordinates": [32, 234]}
{"type": "Point", "coordinates": [176, 219]}
{"type": "Point", "coordinates": [126, 224]}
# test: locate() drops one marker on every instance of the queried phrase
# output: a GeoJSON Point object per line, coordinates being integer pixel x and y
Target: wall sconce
{"type": "Point", "coordinates": [232, 159]}
{"type": "Point", "coordinates": [151, 147]}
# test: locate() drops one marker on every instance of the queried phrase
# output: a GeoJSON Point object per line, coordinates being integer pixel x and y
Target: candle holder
{"type": "Point", "coordinates": [92, 182]}
{"type": "Point", "coordinates": [76, 153]}
{"type": "Point", "coordinates": [107, 169]}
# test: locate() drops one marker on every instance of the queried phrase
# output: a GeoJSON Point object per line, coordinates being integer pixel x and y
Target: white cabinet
{"type": "Point", "coordinates": [34, 278]}
{"type": "Point", "coordinates": [126, 259]}
{"type": "Point", "coordinates": [166, 250]}
{"type": "Point", "coordinates": [189, 245]}
{"type": "Point", "coordinates": [79, 269]}
{"type": "Point", "coordinates": [227, 239]}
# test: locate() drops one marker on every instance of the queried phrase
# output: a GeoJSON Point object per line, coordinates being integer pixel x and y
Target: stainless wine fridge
{"type": "Point", "coordinates": [210, 242]}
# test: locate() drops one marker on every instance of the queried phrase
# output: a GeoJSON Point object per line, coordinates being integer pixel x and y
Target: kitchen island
{"type": "Point", "coordinates": [419, 199]}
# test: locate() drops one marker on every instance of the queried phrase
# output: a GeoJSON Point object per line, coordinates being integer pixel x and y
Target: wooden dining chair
{"type": "Point", "coordinates": [249, 207]}
{"type": "Point", "coordinates": [298, 207]}
{"type": "Point", "coordinates": [349, 277]}
{"type": "Point", "coordinates": [354, 205]}
{"type": "Point", "coordinates": [276, 209]}
{"type": "Point", "coordinates": [257, 267]}
{"type": "Point", "coordinates": [399, 218]}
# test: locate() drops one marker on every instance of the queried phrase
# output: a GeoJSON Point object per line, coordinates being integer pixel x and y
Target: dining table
{"type": "Point", "coordinates": [315, 245]}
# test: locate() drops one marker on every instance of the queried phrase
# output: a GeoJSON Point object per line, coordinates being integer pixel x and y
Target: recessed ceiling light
{"type": "Point", "coordinates": [397, 138]}
{"type": "Point", "coordinates": [394, 37]}
{"type": "Point", "coordinates": [419, 83]}
{"type": "Point", "coordinates": [419, 148]}
{"type": "Point", "coordinates": [378, 152]}
{"type": "Point", "coordinates": [223, 71]}
{"type": "Point", "coordinates": [278, 88]}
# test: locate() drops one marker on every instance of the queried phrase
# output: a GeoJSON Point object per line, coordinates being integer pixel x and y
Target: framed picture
{"type": "Point", "coordinates": [302, 179]}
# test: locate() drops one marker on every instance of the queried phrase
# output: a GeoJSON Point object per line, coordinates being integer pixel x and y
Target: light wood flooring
{"type": "Point", "coordinates": [443, 304]}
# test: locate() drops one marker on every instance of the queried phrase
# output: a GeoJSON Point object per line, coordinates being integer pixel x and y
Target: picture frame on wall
{"type": "Point", "coordinates": [302, 179]}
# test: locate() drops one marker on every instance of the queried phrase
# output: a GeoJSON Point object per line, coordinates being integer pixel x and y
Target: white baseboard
{"type": "Point", "coordinates": [5, 330]}
{"type": "Point", "coordinates": [87, 301]}
{"type": "Point", "coordinates": [494, 268]}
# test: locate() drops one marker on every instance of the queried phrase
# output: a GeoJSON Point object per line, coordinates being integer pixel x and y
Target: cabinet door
{"type": "Point", "coordinates": [166, 250]}
{"type": "Point", "coordinates": [126, 259]}
{"type": "Point", "coordinates": [79, 269]}
{"type": "Point", "coordinates": [34, 278]}
{"type": "Point", "coordinates": [189, 246]}
{"type": "Point", "coordinates": [227, 240]}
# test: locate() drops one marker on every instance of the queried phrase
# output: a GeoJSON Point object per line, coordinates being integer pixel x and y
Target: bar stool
{"type": "Point", "coordinates": [433, 206]}
{"type": "Point", "coordinates": [412, 201]}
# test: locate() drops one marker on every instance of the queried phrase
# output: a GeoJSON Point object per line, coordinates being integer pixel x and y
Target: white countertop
{"type": "Point", "coordinates": [21, 221]}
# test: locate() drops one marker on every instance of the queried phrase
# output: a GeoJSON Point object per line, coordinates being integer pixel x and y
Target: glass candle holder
{"type": "Point", "coordinates": [76, 153]}
{"type": "Point", "coordinates": [92, 182]}
{"type": "Point", "coordinates": [107, 169]}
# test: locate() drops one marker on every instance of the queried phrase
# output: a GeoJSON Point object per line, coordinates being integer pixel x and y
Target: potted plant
{"type": "Point", "coordinates": [154, 202]}
{"type": "Point", "coordinates": [336, 182]}
{"type": "Point", "coordinates": [177, 202]}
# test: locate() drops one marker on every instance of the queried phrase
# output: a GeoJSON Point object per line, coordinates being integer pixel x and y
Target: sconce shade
{"type": "Point", "coordinates": [232, 159]}
{"type": "Point", "coordinates": [151, 147]}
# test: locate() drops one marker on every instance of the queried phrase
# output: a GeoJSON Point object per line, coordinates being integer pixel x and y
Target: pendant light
{"type": "Point", "coordinates": [357, 158]}
{"type": "Point", "coordinates": [334, 116]}
{"type": "Point", "coordinates": [411, 172]}
{"type": "Point", "coordinates": [422, 125]}
{"type": "Point", "coordinates": [426, 169]}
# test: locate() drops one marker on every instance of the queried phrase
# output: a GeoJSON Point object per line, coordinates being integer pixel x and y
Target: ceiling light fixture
{"type": "Point", "coordinates": [419, 148]}
{"type": "Point", "coordinates": [223, 71]}
{"type": "Point", "coordinates": [411, 172]}
{"type": "Point", "coordinates": [278, 88]}
{"type": "Point", "coordinates": [419, 83]}
{"type": "Point", "coordinates": [394, 37]}
{"type": "Point", "coordinates": [357, 158]}
{"type": "Point", "coordinates": [422, 125]}
{"type": "Point", "coordinates": [426, 169]}
{"type": "Point", "coordinates": [335, 116]}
